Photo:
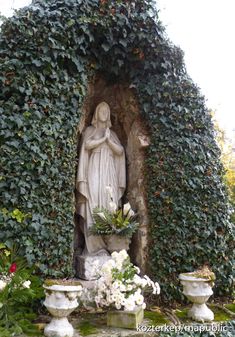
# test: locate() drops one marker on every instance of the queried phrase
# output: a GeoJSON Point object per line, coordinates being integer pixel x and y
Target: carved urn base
{"type": "Point", "coordinates": [59, 327]}
{"type": "Point", "coordinates": [201, 313]}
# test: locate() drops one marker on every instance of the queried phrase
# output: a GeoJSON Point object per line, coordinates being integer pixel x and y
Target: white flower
{"type": "Point", "coordinates": [122, 256]}
{"type": "Point", "coordinates": [104, 302]}
{"type": "Point", "coordinates": [101, 215]}
{"type": "Point", "coordinates": [143, 283]}
{"type": "Point", "coordinates": [129, 287]}
{"type": "Point", "coordinates": [118, 305]}
{"type": "Point", "coordinates": [2, 285]}
{"type": "Point", "coordinates": [107, 279]}
{"type": "Point", "coordinates": [137, 269]}
{"type": "Point", "coordinates": [137, 292]}
{"type": "Point", "coordinates": [137, 280]}
{"type": "Point", "coordinates": [122, 287]}
{"type": "Point", "coordinates": [107, 267]}
{"type": "Point", "coordinates": [26, 284]}
{"type": "Point", "coordinates": [110, 264]}
{"type": "Point", "coordinates": [116, 284]}
{"type": "Point", "coordinates": [129, 303]}
{"type": "Point", "coordinates": [127, 210]}
{"type": "Point", "coordinates": [118, 265]}
{"type": "Point", "coordinates": [139, 299]}
{"type": "Point", "coordinates": [129, 280]}
{"type": "Point", "coordinates": [157, 287]}
{"type": "Point", "coordinates": [102, 286]}
{"type": "Point", "coordinates": [143, 305]}
{"type": "Point", "coordinates": [115, 255]}
{"type": "Point", "coordinates": [97, 299]}
{"type": "Point", "coordinates": [112, 207]}
{"type": "Point", "coordinates": [149, 282]}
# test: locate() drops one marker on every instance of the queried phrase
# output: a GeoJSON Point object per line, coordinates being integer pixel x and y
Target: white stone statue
{"type": "Point", "coordinates": [101, 164]}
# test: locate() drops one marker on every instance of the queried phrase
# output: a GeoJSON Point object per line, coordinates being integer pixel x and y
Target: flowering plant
{"type": "Point", "coordinates": [18, 289]}
{"type": "Point", "coordinates": [113, 220]}
{"type": "Point", "coordinates": [120, 285]}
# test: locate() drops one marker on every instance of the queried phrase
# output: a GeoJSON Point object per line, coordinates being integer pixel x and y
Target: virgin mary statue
{"type": "Point", "coordinates": [101, 168]}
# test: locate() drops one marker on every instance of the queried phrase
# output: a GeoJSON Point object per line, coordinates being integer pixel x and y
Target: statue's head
{"type": "Point", "coordinates": [102, 113]}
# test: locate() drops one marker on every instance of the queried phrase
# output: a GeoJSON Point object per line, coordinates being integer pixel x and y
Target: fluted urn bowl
{"type": "Point", "coordinates": [60, 301]}
{"type": "Point", "coordinates": [197, 290]}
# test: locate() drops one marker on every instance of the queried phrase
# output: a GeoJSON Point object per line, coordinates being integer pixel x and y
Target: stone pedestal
{"type": "Point", "coordinates": [201, 313]}
{"type": "Point", "coordinates": [125, 319]}
{"type": "Point", "coordinates": [88, 266]}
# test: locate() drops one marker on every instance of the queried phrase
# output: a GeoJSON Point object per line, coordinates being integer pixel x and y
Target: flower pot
{"type": "Point", "coordinates": [125, 319]}
{"type": "Point", "coordinates": [60, 301]}
{"type": "Point", "coordinates": [116, 243]}
{"type": "Point", "coordinates": [198, 291]}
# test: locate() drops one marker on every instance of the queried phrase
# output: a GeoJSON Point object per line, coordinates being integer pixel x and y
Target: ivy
{"type": "Point", "coordinates": [50, 51]}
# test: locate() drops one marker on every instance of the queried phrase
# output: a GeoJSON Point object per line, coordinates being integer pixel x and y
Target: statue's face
{"type": "Point", "coordinates": [103, 113]}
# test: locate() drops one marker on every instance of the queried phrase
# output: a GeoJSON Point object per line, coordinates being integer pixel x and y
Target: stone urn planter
{"type": "Point", "coordinates": [116, 243]}
{"type": "Point", "coordinates": [198, 290]}
{"type": "Point", "coordinates": [61, 300]}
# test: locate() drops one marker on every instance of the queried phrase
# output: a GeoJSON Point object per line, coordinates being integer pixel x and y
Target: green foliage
{"type": "Point", "coordinates": [19, 292]}
{"type": "Point", "coordinates": [49, 52]}
{"type": "Point", "coordinates": [117, 222]}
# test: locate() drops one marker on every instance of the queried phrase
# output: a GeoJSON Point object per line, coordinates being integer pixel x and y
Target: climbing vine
{"type": "Point", "coordinates": [50, 51]}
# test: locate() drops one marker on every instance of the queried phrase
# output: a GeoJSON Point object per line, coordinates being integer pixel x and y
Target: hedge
{"type": "Point", "coordinates": [50, 51]}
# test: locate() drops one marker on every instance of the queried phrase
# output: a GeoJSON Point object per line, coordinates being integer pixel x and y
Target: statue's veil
{"type": "Point", "coordinates": [95, 116]}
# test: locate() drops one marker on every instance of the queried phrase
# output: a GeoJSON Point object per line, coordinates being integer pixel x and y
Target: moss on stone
{"type": "Point", "coordinates": [86, 328]}
{"type": "Point", "coordinates": [230, 306]}
{"type": "Point", "coordinates": [156, 318]}
{"type": "Point", "coordinates": [51, 282]}
{"type": "Point", "coordinates": [204, 273]}
{"type": "Point", "coordinates": [220, 315]}
{"type": "Point", "coordinates": [182, 314]}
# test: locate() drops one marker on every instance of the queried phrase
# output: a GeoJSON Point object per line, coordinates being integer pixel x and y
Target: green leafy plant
{"type": "Point", "coordinates": [119, 221]}
{"type": "Point", "coordinates": [18, 291]}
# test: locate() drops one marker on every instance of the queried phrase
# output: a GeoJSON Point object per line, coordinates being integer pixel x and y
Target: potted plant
{"type": "Point", "coordinates": [197, 287]}
{"type": "Point", "coordinates": [61, 300]}
{"type": "Point", "coordinates": [115, 225]}
{"type": "Point", "coordinates": [120, 288]}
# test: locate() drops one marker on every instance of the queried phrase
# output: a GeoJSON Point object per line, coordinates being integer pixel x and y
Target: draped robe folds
{"type": "Point", "coordinates": [98, 168]}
